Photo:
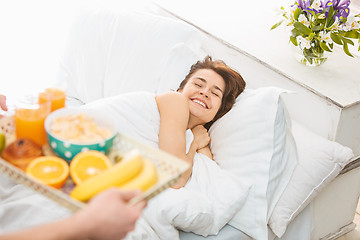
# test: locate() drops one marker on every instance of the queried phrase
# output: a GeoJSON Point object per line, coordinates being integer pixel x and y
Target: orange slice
{"type": "Point", "coordinates": [50, 170]}
{"type": "Point", "coordinates": [88, 164]}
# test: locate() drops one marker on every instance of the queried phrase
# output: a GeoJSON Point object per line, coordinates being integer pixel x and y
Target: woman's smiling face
{"type": "Point", "coordinates": [204, 90]}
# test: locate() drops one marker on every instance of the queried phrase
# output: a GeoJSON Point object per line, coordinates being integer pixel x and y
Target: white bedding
{"type": "Point", "coordinates": [207, 202]}
{"type": "Point", "coordinates": [299, 229]}
{"type": "Point", "coordinates": [203, 206]}
{"type": "Point", "coordinates": [21, 207]}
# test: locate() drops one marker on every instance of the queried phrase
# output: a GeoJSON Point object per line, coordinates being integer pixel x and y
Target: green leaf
{"type": "Point", "coordinates": [325, 47]}
{"type": "Point", "coordinates": [295, 32]}
{"type": "Point", "coordinates": [343, 20]}
{"type": "Point", "coordinates": [346, 49]}
{"type": "Point", "coordinates": [331, 45]}
{"type": "Point", "coordinates": [311, 36]}
{"type": "Point", "coordinates": [306, 55]}
{"type": "Point", "coordinates": [317, 28]}
{"type": "Point", "coordinates": [311, 12]}
{"type": "Point", "coordinates": [330, 18]}
{"type": "Point", "coordinates": [348, 41]}
{"type": "Point", "coordinates": [293, 40]}
{"type": "Point", "coordinates": [302, 28]}
{"type": "Point", "coordinates": [297, 13]}
{"type": "Point", "coordinates": [321, 22]}
{"type": "Point", "coordinates": [336, 38]}
{"type": "Point", "coordinates": [276, 25]}
{"type": "Point", "coordinates": [352, 34]}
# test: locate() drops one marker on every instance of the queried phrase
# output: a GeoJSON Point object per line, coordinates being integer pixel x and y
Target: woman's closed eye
{"type": "Point", "coordinates": [216, 94]}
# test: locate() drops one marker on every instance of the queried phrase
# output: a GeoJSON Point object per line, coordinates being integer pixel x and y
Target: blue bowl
{"type": "Point", "coordinates": [67, 149]}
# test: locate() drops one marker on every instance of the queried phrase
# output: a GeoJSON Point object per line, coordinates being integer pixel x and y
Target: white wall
{"type": "Point", "coordinates": [33, 35]}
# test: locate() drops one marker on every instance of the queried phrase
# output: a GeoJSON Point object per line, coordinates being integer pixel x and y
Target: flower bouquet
{"type": "Point", "coordinates": [317, 24]}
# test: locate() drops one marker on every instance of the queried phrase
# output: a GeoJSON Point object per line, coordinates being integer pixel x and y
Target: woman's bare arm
{"type": "Point", "coordinates": [174, 117]}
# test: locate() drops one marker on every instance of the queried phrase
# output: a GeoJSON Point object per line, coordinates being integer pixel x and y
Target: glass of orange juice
{"type": "Point", "coordinates": [29, 121]}
{"type": "Point", "coordinates": [55, 96]}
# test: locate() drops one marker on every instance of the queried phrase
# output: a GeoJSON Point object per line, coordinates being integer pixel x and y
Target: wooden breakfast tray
{"type": "Point", "coordinates": [169, 170]}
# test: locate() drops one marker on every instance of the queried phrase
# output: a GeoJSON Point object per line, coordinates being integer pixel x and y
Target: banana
{"type": "Point", "coordinates": [146, 178]}
{"type": "Point", "coordinates": [120, 173]}
{"type": "Point", "coordinates": [2, 141]}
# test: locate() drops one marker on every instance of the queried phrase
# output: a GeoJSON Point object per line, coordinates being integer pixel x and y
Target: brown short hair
{"type": "Point", "coordinates": [234, 83]}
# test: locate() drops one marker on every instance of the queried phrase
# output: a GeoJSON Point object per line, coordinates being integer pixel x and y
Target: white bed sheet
{"type": "Point", "coordinates": [299, 229]}
{"type": "Point", "coordinates": [21, 207]}
{"type": "Point", "coordinates": [208, 201]}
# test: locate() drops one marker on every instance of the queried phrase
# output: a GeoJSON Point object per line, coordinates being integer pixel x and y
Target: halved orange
{"type": "Point", "coordinates": [88, 164]}
{"type": "Point", "coordinates": [50, 170]}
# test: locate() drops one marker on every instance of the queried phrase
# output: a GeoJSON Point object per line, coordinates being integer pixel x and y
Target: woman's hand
{"type": "Point", "coordinates": [202, 140]}
{"type": "Point", "coordinates": [201, 136]}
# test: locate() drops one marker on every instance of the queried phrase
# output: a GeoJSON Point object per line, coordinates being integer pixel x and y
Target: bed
{"type": "Point", "coordinates": [295, 178]}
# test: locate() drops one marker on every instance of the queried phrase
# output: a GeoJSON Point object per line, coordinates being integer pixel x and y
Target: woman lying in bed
{"type": "Point", "coordinates": [206, 94]}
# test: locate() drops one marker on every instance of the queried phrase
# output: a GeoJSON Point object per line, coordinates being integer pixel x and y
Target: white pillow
{"type": "Point", "coordinates": [253, 142]}
{"type": "Point", "coordinates": [117, 52]}
{"type": "Point", "coordinates": [320, 161]}
{"type": "Point", "coordinates": [176, 66]}
{"type": "Point", "coordinates": [140, 46]}
{"type": "Point", "coordinates": [83, 63]}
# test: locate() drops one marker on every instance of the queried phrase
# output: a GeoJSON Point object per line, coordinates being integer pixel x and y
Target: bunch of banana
{"type": "Point", "coordinates": [132, 172]}
{"type": "Point", "coordinates": [2, 141]}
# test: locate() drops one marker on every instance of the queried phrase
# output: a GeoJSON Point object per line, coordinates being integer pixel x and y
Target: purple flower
{"type": "Point", "coordinates": [343, 13]}
{"type": "Point", "coordinates": [339, 4]}
{"type": "Point", "coordinates": [340, 7]}
{"type": "Point", "coordinates": [304, 4]}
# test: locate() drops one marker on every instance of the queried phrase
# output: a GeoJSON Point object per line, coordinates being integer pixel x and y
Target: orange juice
{"type": "Point", "coordinates": [55, 96]}
{"type": "Point", "coordinates": [29, 123]}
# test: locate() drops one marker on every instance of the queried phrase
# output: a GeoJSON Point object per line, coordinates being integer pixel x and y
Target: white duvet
{"type": "Point", "coordinates": [203, 206]}
{"type": "Point", "coordinates": [207, 202]}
